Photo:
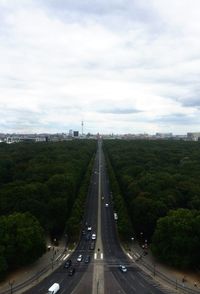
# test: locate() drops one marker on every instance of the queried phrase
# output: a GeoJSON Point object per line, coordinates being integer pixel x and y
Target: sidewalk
{"type": "Point", "coordinates": [180, 279]}
{"type": "Point", "coordinates": [37, 271]}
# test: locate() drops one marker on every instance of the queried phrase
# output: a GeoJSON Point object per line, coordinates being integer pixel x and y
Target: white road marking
{"type": "Point", "coordinates": [58, 256]}
{"type": "Point", "coordinates": [65, 257]}
{"type": "Point", "coordinates": [129, 256]}
{"type": "Point", "coordinates": [141, 284]}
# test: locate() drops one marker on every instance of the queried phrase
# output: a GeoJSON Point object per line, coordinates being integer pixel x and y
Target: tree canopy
{"type": "Point", "coordinates": [43, 180]}
{"type": "Point", "coordinates": [156, 177]}
{"type": "Point", "coordinates": [21, 240]}
{"type": "Point", "coordinates": [177, 237]}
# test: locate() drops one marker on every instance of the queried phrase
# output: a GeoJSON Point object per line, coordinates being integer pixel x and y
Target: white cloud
{"type": "Point", "coordinates": [99, 61]}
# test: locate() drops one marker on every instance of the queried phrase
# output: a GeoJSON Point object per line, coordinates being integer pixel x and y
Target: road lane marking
{"type": "Point", "coordinates": [65, 257]}
{"type": "Point", "coordinates": [129, 256]}
{"type": "Point", "coordinates": [141, 284]}
{"type": "Point", "coordinates": [58, 256]}
{"type": "Point", "coordinates": [98, 270]}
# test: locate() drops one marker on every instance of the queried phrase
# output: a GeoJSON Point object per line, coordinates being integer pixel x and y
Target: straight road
{"type": "Point", "coordinates": [102, 274]}
{"type": "Point", "coordinates": [134, 280]}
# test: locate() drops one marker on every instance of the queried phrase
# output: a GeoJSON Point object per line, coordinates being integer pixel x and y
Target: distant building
{"type": "Point", "coordinates": [193, 136]}
{"type": "Point", "coordinates": [164, 135]}
{"type": "Point", "coordinates": [70, 133]}
{"type": "Point", "coordinates": [75, 134]}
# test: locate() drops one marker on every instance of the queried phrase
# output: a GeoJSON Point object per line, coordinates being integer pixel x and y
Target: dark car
{"type": "Point", "coordinates": [71, 271]}
{"type": "Point", "coordinates": [68, 263]}
{"type": "Point", "coordinates": [92, 245]}
{"type": "Point", "coordinates": [87, 237]}
{"type": "Point", "coordinates": [87, 259]}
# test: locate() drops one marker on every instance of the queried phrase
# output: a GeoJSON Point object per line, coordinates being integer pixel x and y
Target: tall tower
{"type": "Point", "coordinates": [82, 127]}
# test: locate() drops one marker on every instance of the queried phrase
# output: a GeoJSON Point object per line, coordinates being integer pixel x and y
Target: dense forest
{"type": "Point", "coordinates": [160, 184]}
{"type": "Point", "coordinates": [40, 184]}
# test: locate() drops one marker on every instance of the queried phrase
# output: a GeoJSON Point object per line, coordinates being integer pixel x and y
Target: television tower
{"type": "Point", "coordinates": [82, 127]}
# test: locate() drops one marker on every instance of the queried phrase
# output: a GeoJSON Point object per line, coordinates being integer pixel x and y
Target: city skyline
{"type": "Point", "coordinates": [119, 66]}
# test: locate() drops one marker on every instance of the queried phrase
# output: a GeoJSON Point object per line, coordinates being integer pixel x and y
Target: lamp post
{"type": "Point", "coordinates": [52, 260]}
{"type": "Point", "coordinates": [141, 238]}
{"type": "Point", "coordinates": [66, 239]}
{"type": "Point", "coordinates": [11, 285]}
{"type": "Point", "coordinates": [132, 240]}
{"type": "Point", "coordinates": [154, 269]}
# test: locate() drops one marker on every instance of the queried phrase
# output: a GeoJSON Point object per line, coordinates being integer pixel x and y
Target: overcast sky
{"type": "Point", "coordinates": [121, 66]}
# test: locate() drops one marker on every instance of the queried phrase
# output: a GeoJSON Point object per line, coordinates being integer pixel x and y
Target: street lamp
{"type": "Point", "coordinates": [132, 240]}
{"type": "Point", "coordinates": [154, 269]}
{"type": "Point", "coordinates": [52, 260]}
{"type": "Point", "coordinates": [141, 237]}
{"type": "Point", "coordinates": [66, 239]}
{"type": "Point", "coordinates": [11, 285]}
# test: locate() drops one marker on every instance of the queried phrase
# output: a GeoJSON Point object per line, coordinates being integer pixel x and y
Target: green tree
{"type": "Point", "coordinates": [177, 237]}
{"type": "Point", "coordinates": [3, 263]}
{"type": "Point", "coordinates": [22, 237]}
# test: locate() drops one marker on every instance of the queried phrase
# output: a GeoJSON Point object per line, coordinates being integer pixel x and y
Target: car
{"type": "Point", "coordinates": [71, 271]}
{"type": "Point", "coordinates": [83, 232]}
{"type": "Point", "coordinates": [92, 245]}
{"type": "Point", "coordinates": [80, 257]}
{"type": "Point", "coordinates": [87, 259]}
{"type": "Point", "coordinates": [89, 229]}
{"type": "Point", "coordinates": [106, 205]}
{"type": "Point", "coordinates": [68, 263]}
{"type": "Point", "coordinates": [123, 268]}
{"type": "Point", "coordinates": [87, 236]}
{"type": "Point", "coordinates": [93, 236]}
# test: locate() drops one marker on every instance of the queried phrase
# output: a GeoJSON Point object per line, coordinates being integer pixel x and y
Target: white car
{"type": "Point", "coordinates": [123, 268]}
{"type": "Point", "coordinates": [106, 205]}
{"type": "Point", "coordinates": [93, 236]}
{"type": "Point", "coordinates": [89, 229]}
{"type": "Point", "coordinates": [80, 257]}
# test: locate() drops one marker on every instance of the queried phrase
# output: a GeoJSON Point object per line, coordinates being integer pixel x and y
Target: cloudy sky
{"type": "Point", "coordinates": [121, 66]}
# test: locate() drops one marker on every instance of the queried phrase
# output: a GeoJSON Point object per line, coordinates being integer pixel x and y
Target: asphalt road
{"type": "Point", "coordinates": [107, 259]}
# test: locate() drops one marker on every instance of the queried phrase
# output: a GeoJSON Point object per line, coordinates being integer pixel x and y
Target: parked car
{"type": "Point", "coordinates": [68, 263]}
{"type": "Point", "coordinates": [89, 228]}
{"type": "Point", "coordinates": [71, 271]}
{"type": "Point", "coordinates": [79, 258]}
{"type": "Point", "coordinates": [123, 268]}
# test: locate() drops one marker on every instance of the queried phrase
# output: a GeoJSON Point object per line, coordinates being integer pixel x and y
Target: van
{"type": "Point", "coordinates": [54, 288]}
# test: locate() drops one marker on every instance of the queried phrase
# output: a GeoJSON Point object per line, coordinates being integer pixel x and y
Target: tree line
{"type": "Point", "coordinates": [160, 184]}
{"type": "Point", "coordinates": [39, 185]}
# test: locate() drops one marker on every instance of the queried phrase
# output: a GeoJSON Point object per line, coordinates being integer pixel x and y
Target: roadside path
{"type": "Point", "coordinates": [51, 260]}
{"type": "Point", "coordinates": [180, 279]}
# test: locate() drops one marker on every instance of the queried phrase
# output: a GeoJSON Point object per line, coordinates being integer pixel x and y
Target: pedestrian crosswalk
{"type": "Point", "coordinates": [98, 256]}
